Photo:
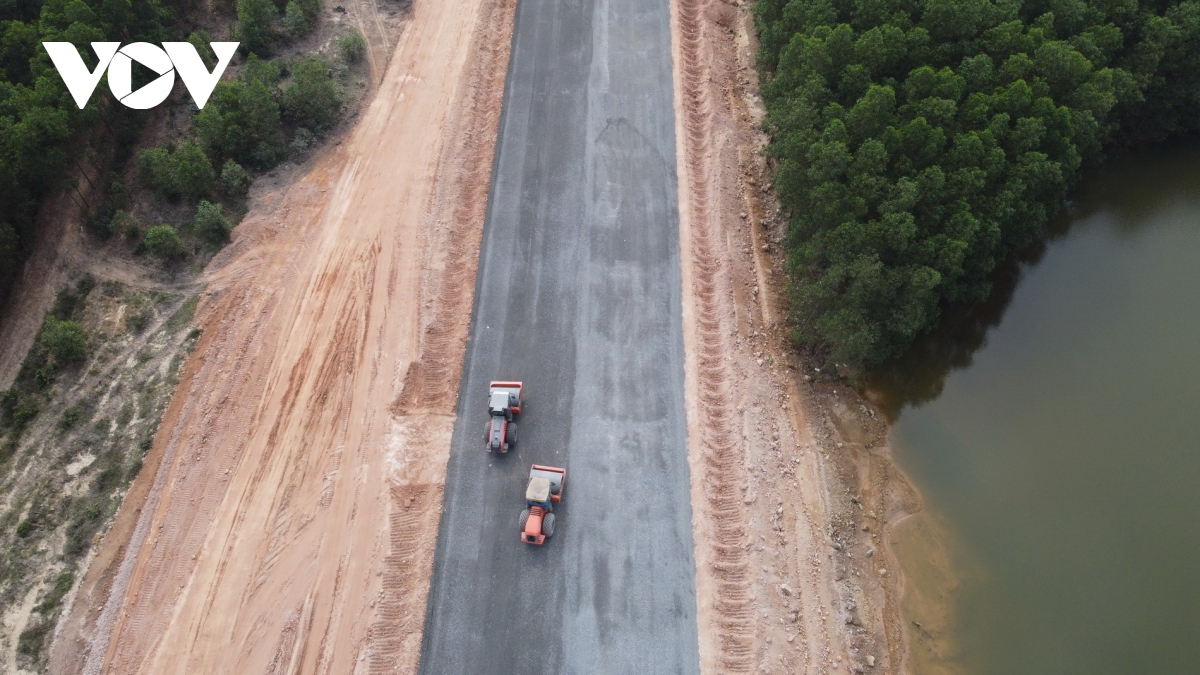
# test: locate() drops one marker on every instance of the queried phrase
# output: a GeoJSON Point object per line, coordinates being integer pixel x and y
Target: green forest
{"type": "Point", "coordinates": [919, 143]}
{"type": "Point", "coordinates": [39, 122]}
{"type": "Point", "coordinates": [275, 109]}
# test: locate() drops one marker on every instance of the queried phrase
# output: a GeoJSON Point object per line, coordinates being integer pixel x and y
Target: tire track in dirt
{"type": "Point", "coordinates": [430, 389]}
{"type": "Point", "coordinates": [769, 595]}
{"type": "Point", "coordinates": [721, 557]}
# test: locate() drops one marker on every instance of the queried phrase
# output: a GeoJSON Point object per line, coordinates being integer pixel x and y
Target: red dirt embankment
{"type": "Point", "coordinates": [286, 516]}
{"type": "Point", "coordinates": [791, 480]}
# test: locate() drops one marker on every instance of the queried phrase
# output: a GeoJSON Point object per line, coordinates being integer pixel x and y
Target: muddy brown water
{"type": "Point", "coordinates": [1055, 436]}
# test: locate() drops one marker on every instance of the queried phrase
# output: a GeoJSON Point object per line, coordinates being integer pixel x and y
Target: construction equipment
{"type": "Point", "coordinates": [504, 402]}
{"type": "Point", "coordinates": [543, 491]}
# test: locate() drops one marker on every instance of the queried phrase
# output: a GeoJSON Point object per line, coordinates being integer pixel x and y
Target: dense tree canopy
{"type": "Point", "coordinates": [919, 142]}
{"type": "Point", "coordinates": [38, 119]}
{"type": "Point", "coordinates": [314, 99]}
{"type": "Point", "coordinates": [46, 141]}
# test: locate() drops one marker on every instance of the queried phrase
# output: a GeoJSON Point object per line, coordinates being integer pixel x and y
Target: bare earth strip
{"type": "Point", "coordinates": [791, 480]}
{"type": "Point", "coordinates": [285, 518]}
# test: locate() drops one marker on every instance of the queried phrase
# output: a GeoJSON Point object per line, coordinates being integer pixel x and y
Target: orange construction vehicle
{"type": "Point", "coordinates": [504, 402]}
{"type": "Point", "coordinates": [543, 491]}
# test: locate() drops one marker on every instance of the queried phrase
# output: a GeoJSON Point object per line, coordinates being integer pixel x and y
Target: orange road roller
{"type": "Point", "coordinates": [543, 491]}
{"type": "Point", "coordinates": [504, 403]}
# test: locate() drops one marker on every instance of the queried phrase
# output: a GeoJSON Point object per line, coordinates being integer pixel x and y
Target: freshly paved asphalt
{"type": "Point", "coordinates": [579, 296]}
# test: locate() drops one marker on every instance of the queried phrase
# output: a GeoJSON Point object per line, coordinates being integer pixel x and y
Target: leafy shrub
{"type": "Point", "coordinates": [235, 181]}
{"type": "Point", "coordinates": [210, 222]}
{"type": "Point", "coordinates": [123, 224]}
{"type": "Point", "coordinates": [62, 586]}
{"type": "Point", "coordinates": [267, 71]}
{"type": "Point", "coordinates": [33, 639]}
{"type": "Point", "coordinates": [84, 526]}
{"type": "Point", "coordinates": [352, 46]}
{"type": "Point", "coordinates": [24, 413]}
{"type": "Point", "coordinates": [69, 302]}
{"type": "Point", "coordinates": [311, 9]}
{"type": "Point", "coordinates": [242, 122]}
{"type": "Point", "coordinates": [163, 241]}
{"type": "Point", "coordinates": [200, 39]}
{"type": "Point", "coordinates": [118, 193]}
{"type": "Point", "coordinates": [193, 172]}
{"type": "Point", "coordinates": [295, 21]}
{"type": "Point", "coordinates": [185, 172]}
{"type": "Point", "coordinates": [313, 100]}
{"type": "Point", "coordinates": [8, 401]}
{"type": "Point", "coordinates": [254, 24]}
{"type": "Point", "coordinates": [158, 172]}
{"type": "Point", "coordinates": [65, 341]}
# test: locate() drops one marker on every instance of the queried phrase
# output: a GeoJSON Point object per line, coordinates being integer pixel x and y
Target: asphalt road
{"type": "Point", "coordinates": [578, 296]}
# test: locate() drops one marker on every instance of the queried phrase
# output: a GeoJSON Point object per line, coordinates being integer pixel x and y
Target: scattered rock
{"type": "Point", "coordinates": [870, 552]}
{"type": "Point", "coordinates": [871, 661]}
{"type": "Point", "coordinates": [786, 590]}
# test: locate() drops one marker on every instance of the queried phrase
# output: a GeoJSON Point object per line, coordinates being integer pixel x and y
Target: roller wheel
{"type": "Point", "coordinates": [510, 435]}
{"type": "Point", "coordinates": [548, 525]}
{"type": "Point", "coordinates": [524, 517]}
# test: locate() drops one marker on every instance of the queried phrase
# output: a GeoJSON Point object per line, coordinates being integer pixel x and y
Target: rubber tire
{"type": "Point", "coordinates": [524, 517]}
{"type": "Point", "coordinates": [510, 434]}
{"type": "Point", "coordinates": [548, 525]}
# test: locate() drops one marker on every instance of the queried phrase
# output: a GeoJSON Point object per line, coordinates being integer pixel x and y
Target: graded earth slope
{"type": "Point", "coordinates": [579, 296]}
{"type": "Point", "coordinates": [284, 519]}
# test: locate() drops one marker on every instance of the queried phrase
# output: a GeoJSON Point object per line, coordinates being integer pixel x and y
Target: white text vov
{"type": "Point", "coordinates": [172, 57]}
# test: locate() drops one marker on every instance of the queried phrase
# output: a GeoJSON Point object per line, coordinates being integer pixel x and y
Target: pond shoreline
{"type": "Point", "coordinates": [1045, 544]}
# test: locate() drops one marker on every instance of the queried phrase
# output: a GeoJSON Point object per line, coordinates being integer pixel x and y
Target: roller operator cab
{"type": "Point", "coordinates": [504, 403]}
{"type": "Point", "coordinates": [542, 492]}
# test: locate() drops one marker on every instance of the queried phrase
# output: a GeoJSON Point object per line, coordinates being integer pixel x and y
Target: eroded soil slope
{"type": "Point", "coordinates": [285, 518]}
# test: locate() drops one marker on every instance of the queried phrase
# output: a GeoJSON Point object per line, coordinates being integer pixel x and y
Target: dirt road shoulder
{"type": "Point", "coordinates": [791, 480]}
